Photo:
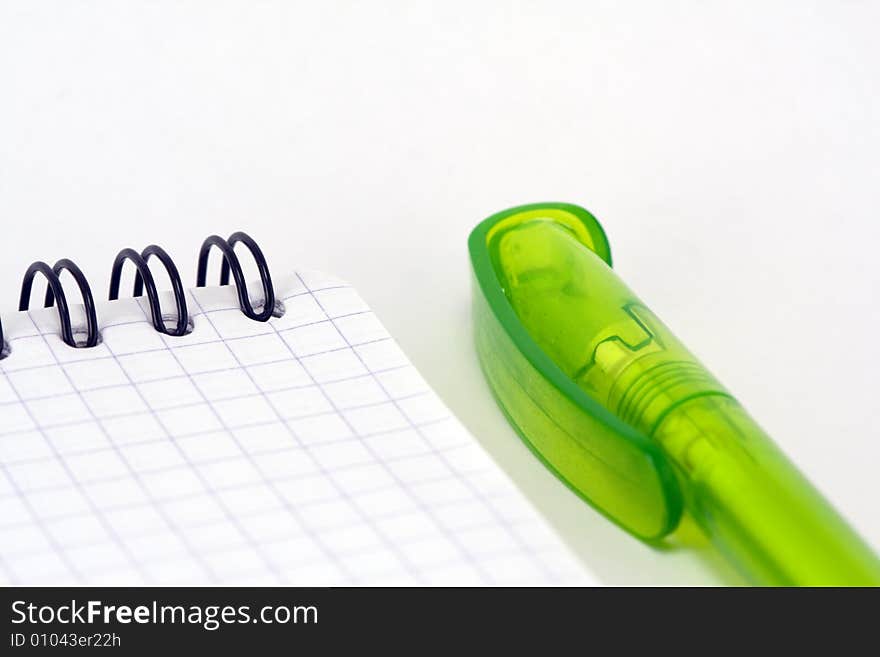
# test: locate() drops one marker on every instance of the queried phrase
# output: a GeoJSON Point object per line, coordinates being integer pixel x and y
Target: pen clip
{"type": "Point", "coordinates": [616, 468]}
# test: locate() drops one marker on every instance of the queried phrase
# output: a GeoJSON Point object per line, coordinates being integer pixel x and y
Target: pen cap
{"type": "Point", "coordinates": [611, 400]}
{"type": "Point", "coordinates": [532, 366]}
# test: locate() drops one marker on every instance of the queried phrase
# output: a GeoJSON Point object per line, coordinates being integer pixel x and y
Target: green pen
{"type": "Point", "coordinates": [609, 399]}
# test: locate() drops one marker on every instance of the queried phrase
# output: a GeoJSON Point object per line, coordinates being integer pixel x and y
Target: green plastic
{"type": "Point", "coordinates": [615, 405]}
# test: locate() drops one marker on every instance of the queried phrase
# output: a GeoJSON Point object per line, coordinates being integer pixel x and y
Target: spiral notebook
{"type": "Point", "coordinates": [304, 450]}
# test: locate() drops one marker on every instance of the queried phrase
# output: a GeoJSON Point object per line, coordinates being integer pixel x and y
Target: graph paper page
{"type": "Point", "coordinates": [306, 450]}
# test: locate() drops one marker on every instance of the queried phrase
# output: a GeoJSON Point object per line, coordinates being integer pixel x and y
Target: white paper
{"type": "Point", "coordinates": [306, 450]}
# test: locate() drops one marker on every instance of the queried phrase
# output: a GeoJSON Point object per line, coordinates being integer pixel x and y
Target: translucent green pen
{"type": "Point", "coordinates": [618, 408]}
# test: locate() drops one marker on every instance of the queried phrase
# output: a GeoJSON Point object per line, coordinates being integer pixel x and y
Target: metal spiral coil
{"type": "Point", "coordinates": [145, 283]}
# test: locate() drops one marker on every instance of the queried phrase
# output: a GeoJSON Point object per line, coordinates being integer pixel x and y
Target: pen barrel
{"type": "Point", "coordinates": [745, 494]}
{"type": "Point", "coordinates": [748, 498]}
{"type": "Point", "coordinates": [754, 504]}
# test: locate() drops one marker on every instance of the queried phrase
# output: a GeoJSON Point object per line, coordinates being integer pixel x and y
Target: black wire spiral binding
{"type": "Point", "coordinates": [144, 281]}
{"type": "Point", "coordinates": [55, 291]}
{"type": "Point", "coordinates": [231, 263]}
{"type": "Point", "coordinates": [143, 278]}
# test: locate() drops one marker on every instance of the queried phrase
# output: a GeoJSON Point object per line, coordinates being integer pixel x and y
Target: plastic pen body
{"type": "Point", "coordinates": [747, 497]}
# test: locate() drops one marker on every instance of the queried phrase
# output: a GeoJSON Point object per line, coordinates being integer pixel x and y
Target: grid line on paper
{"type": "Point", "coordinates": [35, 519]}
{"type": "Point", "coordinates": [351, 553]}
{"type": "Point", "coordinates": [182, 376]}
{"type": "Point", "coordinates": [169, 378]}
{"type": "Point", "coordinates": [379, 517]}
{"type": "Point", "coordinates": [293, 510]}
{"type": "Point", "coordinates": [43, 334]}
{"type": "Point", "coordinates": [306, 504]}
{"type": "Point", "coordinates": [135, 477]}
{"type": "Point", "coordinates": [157, 504]}
{"type": "Point", "coordinates": [57, 547]}
{"type": "Point", "coordinates": [390, 544]}
{"type": "Point", "coordinates": [257, 546]}
{"type": "Point", "coordinates": [9, 572]}
{"type": "Point", "coordinates": [451, 536]}
{"type": "Point", "coordinates": [251, 425]}
{"type": "Point", "coordinates": [355, 553]}
{"type": "Point", "coordinates": [108, 526]}
{"type": "Point", "coordinates": [466, 481]}
{"type": "Point", "coordinates": [267, 458]}
{"type": "Point", "coordinates": [214, 460]}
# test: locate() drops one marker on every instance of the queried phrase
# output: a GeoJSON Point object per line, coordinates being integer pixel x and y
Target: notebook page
{"type": "Point", "coordinates": [306, 450]}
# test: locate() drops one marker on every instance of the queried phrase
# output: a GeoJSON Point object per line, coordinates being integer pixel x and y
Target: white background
{"type": "Point", "coordinates": [730, 150]}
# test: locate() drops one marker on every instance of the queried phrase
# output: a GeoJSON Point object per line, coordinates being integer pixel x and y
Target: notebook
{"type": "Point", "coordinates": [305, 451]}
